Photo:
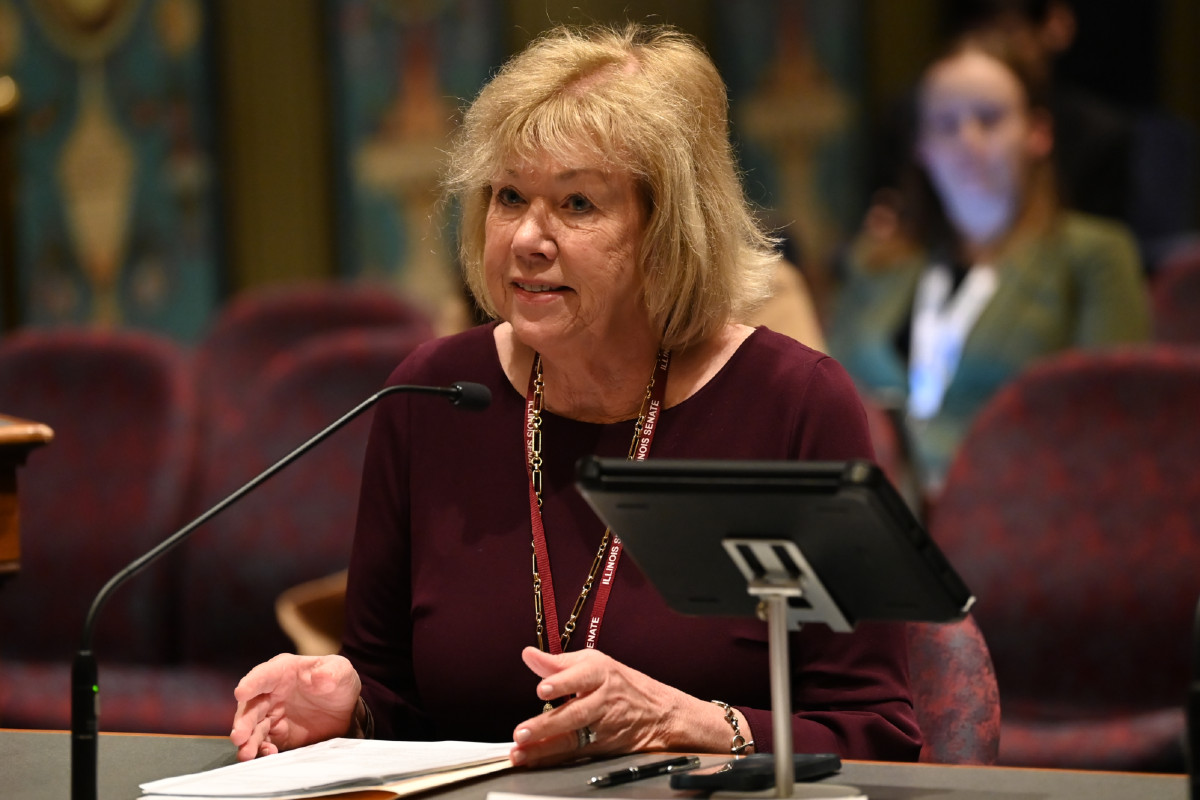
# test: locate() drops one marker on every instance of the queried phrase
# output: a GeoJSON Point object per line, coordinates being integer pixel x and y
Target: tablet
{"type": "Point", "coordinates": [871, 554]}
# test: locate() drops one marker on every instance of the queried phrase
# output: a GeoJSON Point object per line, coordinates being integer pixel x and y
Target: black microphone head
{"type": "Point", "coordinates": [471, 396]}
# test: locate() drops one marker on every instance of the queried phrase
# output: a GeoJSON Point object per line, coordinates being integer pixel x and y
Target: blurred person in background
{"type": "Point", "coordinates": [1094, 138]}
{"type": "Point", "coordinates": [976, 269]}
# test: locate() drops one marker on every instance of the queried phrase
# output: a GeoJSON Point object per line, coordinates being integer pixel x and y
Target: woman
{"type": "Point", "coordinates": [984, 272]}
{"type": "Point", "coordinates": [605, 227]}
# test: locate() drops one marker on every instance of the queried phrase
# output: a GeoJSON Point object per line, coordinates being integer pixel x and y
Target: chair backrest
{"type": "Point", "coordinates": [1175, 297]}
{"type": "Point", "coordinates": [888, 439]}
{"type": "Point", "coordinates": [298, 525]}
{"type": "Point", "coordinates": [954, 692]}
{"type": "Point", "coordinates": [1073, 512]}
{"type": "Point", "coordinates": [109, 487]}
{"type": "Point", "coordinates": [259, 324]}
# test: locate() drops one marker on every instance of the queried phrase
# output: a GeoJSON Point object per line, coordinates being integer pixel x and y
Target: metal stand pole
{"type": "Point", "coordinates": [776, 570]}
{"type": "Point", "coordinates": [775, 606]}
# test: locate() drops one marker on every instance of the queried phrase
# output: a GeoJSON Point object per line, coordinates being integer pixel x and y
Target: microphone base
{"type": "Point", "coordinates": [85, 701]}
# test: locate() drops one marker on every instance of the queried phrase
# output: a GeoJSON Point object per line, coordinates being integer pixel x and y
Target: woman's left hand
{"type": "Point", "coordinates": [608, 708]}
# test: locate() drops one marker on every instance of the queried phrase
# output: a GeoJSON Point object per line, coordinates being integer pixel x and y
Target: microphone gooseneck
{"type": "Point", "coordinates": [85, 688]}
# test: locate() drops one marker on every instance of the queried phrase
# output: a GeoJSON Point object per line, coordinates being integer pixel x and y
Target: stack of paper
{"type": "Point", "coordinates": [338, 767]}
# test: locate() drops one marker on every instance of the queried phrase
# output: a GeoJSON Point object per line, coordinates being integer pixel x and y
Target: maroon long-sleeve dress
{"type": "Point", "coordinates": [440, 598]}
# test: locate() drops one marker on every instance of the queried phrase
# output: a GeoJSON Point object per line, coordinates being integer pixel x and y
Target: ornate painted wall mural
{"type": "Point", "coordinates": [116, 211]}
{"type": "Point", "coordinates": [795, 113]}
{"type": "Point", "coordinates": [402, 70]}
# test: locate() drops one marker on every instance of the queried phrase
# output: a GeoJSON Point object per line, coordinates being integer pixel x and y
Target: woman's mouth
{"type": "Point", "coordinates": [537, 287]}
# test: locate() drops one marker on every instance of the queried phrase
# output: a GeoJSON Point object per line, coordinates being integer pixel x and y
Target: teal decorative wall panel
{"type": "Point", "coordinates": [402, 70]}
{"type": "Point", "coordinates": [795, 70]}
{"type": "Point", "coordinates": [115, 169]}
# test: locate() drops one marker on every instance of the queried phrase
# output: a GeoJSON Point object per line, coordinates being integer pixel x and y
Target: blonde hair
{"type": "Point", "coordinates": [647, 100]}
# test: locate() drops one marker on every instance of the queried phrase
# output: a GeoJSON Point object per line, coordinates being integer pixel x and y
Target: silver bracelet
{"type": "Point", "coordinates": [739, 746]}
{"type": "Point", "coordinates": [362, 722]}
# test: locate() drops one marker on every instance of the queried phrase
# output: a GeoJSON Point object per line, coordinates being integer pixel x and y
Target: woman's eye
{"type": "Point", "coordinates": [990, 117]}
{"type": "Point", "coordinates": [508, 196]}
{"type": "Point", "coordinates": [578, 203]}
{"type": "Point", "coordinates": [941, 124]}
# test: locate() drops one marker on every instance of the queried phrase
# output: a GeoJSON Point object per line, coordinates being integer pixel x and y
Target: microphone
{"type": "Point", "coordinates": [471, 396]}
{"type": "Point", "coordinates": [85, 687]}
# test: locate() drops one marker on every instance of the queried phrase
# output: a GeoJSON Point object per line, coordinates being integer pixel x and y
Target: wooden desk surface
{"type": "Point", "coordinates": [36, 766]}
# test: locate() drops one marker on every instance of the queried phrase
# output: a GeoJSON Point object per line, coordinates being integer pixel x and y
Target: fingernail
{"type": "Point", "coordinates": [517, 757]}
{"type": "Point", "coordinates": [545, 690]}
{"type": "Point", "coordinates": [523, 735]}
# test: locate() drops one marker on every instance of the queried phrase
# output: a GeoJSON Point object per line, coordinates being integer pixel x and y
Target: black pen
{"type": "Point", "coordinates": [677, 764]}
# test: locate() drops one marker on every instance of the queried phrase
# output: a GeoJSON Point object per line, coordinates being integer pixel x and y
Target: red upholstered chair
{"type": "Point", "coordinates": [954, 692]}
{"type": "Point", "coordinates": [885, 439]}
{"type": "Point", "coordinates": [296, 526]}
{"type": "Point", "coordinates": [1073, 513]}
{"type": "Point", "coordinates": [110, 486]}
{"type": "Point", "coordinates": [1175, 297]}
{"type": "Point", "coordinates": [259, 324]}
{"type": "Point", "coordinates": [891, 453]}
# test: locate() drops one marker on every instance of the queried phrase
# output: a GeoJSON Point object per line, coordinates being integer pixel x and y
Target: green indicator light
{"type": "Point", "coordinates": [95, 689]}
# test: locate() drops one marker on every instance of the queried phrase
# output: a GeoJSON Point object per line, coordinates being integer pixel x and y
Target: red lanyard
{"type": "Point", "coordinates": [639, 449]}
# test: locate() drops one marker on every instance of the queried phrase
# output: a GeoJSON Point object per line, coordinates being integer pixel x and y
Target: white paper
{"type": "Point", "coordinates": [318, 767]}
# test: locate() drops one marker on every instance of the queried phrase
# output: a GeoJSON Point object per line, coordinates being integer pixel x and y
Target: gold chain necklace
{"type": "Point", "coordinates": [535, 472]}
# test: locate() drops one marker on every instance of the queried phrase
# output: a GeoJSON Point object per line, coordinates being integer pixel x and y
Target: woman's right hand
{"type": "Point", "coordinates": [291, 701]}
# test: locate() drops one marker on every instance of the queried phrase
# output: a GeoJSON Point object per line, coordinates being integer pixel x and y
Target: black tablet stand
{"type": "Point", "coordinates": [828, 542]}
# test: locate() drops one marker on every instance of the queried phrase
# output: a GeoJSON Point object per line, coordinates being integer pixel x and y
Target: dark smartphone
{"type": "Point", "coordinates": [755, 772]}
